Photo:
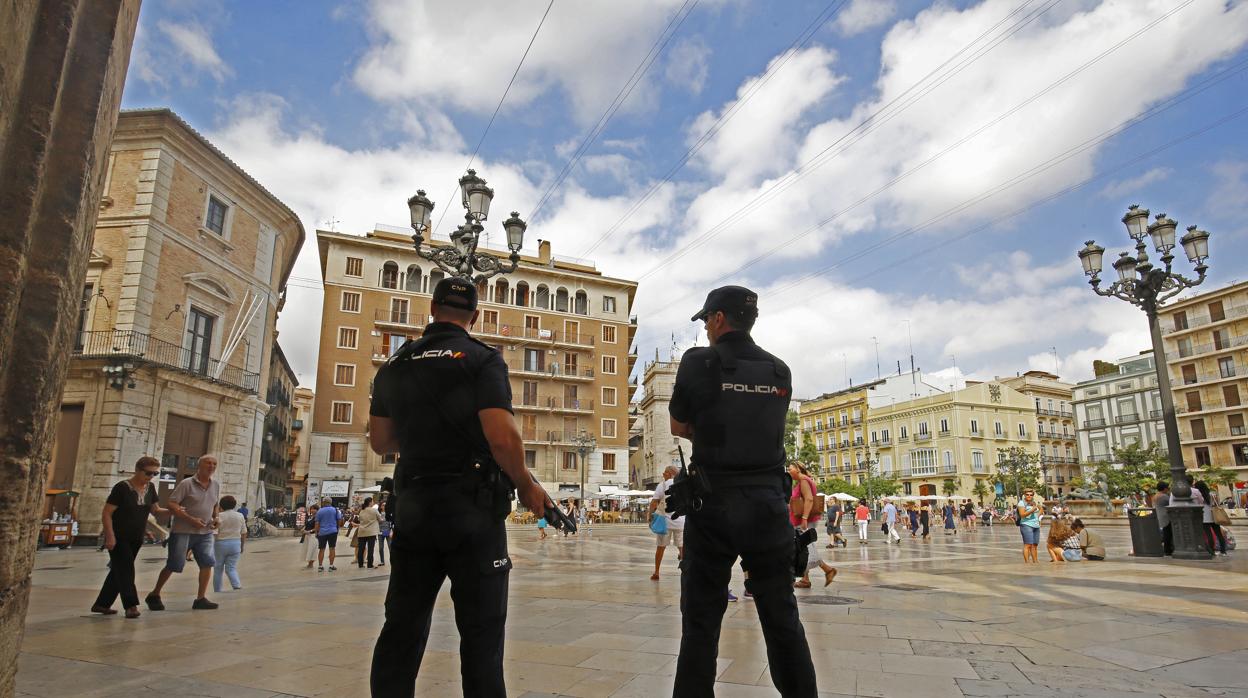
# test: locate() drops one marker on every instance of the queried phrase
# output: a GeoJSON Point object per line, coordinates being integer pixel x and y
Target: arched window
{"type": "Point", "coordinates": [483, 290]}
{"type": "Point", "coordinates": [582, 303]}
{"type": "Point", "coordinates": [543, 297]}
{"type": "Point", "coordinates": [561, 300]}
{"type": "Point", "coordinates": [522, 294]}
{"type": "Point", "coordinates": [390, 275]}
{"type": "Point", "coordinates": [500, 291]}
{"type": "Point", "coordinates": [412, 283]}
{"type": "Point", "coordinates": [434, 277]}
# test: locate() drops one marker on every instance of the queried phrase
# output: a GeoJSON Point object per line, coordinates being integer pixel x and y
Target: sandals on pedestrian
{"type": "Point", "coordinates": [801, 584]}
{"type": "Point", "coordinates": [104, 610]}
{"type": "Point", "coordinates": [133, 612]}
{"type": "Point", "coordinates": [654, 577]}
{"type": "Point", "coordinates": [829, 576]}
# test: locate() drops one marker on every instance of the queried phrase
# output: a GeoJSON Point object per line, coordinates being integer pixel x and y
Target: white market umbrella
{"type": "Point", "coordinates": [844, 497]}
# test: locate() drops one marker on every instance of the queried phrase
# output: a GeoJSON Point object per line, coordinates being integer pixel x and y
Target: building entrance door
{"type": "Point", "coordinates": [927, 490]}
{"type": "Point", "coordinates": [64, 460]}
{"type": "Point", "coordinates": [186, 440]}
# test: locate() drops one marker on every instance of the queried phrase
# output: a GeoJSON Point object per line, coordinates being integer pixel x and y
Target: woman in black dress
{"type": "Point", "coordinates": [125, 521]}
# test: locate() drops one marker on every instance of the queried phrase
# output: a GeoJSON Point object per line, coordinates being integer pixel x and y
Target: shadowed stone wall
{"type": "Point", "coordinates": [62, 67]}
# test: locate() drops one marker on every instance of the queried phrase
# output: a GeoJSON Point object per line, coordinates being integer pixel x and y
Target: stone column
{"type": "Point", "coordinates": [62, 67]}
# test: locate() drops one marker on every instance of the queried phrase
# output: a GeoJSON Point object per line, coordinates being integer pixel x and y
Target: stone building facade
{"type": "Point", "coordinates": [1119, 409]}
{"type": "Point", "coordinates": [564, 330]}
{"type": "Point", "coordinates": [275, 451]}
{"type": "Point", "coordinates": [176, 322]}
{"type": "Point", "coordinates": [1055, 426]}
{"type": "Point", "coordinates": [300, 427]}
{"type": "Point", "coordinates": [658, 446]}
{"type": "Point", "coordinates": [1206, 343]}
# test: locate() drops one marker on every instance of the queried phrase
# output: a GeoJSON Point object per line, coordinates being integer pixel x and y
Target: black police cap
{"type": "Point", "coordinates": [456, 292]}
{"type": "Point", "coordinates": [734, 301]}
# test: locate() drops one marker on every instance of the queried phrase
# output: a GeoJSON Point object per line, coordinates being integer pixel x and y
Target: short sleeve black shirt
{"type": "Point", "coordinates": [434, 395]}
{"type": "Point", "coordinates": [130, 517]}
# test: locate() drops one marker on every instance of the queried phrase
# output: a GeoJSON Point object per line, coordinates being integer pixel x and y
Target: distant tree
{"type": "Point", "coordinates": [790, 435]}
{"type": "Point", "coordinates": [1134, 470]}
{"type": "Point", "coordinates": [837, 484]}
{"type": "Point", "coordinates": [1017, 470]}
{"type": "Point", "coordinates": [980, 490]}
{"type": "Point", "coordinates": [807, 455]}
{"type": "Point", "coordinates": [1215, 476]}
{"type": "Point", "coordinates": [948, 487]}
{"type": "Point", "coordinates": [1103, 368]}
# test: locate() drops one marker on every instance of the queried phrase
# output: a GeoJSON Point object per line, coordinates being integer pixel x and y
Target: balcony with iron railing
{"type": "Point", "coordinates": [923, 436]}
{"type": "Point", "coordinates": [977, 434]}
{"type": "Point", "coordinates": [1205, 406]}
{"type": "Point", "coordinates": [558, 404]}
{"type": "Point", "coordinates": [1198, 350]}
{"type": "Point", "coordinates": [1094, 423]}
{"type": "Point", "coordinates": [142, 348]}
{"type": "Point", "coordinates": [1054, 413]}
{"type": "Point", "coordinates": [1224, 372]}
{"type": "Point", "coordinates": [555, 370]}
{"type": "Point", "coordinates": [950, 467]}
{"type": "Point", "coordinates": [1194, 321]}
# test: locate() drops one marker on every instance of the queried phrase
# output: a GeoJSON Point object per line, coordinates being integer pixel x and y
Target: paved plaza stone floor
{"type": "Point", "coordinates": [954, 617]}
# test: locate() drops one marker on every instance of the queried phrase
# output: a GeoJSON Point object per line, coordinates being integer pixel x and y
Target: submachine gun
{"type": "Point", "coordinates": [557, 518]}
{"type": "Point", "coordinates": [687, 490]}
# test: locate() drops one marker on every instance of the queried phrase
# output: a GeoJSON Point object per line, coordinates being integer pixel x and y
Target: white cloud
{"type": "Point", "coordinates": [434, 52]}
{"type": "Point", "coordinates": [1231, 188]}
{"type": "Point", "coordinates": [688, 64]}
{"type": "Point", "coordinates": [193, 42]}
{"type": "Point", "coordinates": [1131, 187]}
{"type": "Point", "coordinates": [862, 15]}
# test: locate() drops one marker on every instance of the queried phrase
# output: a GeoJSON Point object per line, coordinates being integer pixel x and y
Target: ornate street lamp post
{"type": "Point", "coordinates": [585, 445]}
{"type": "Point", "coordinates": [461, 257]}
{"type": "Point", "coordinates": [1148, 287]}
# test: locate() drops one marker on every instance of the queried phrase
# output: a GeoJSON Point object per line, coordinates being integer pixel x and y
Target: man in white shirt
{"type": "Point", "coordinates": [890, 518]}
{"type": "Point", "coordinates": [675, 534]}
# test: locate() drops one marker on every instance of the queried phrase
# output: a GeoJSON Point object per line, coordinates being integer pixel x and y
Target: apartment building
{"type": "Point", "coordinates": [176, 327]}
{"type": "Point", "coordinates": [836, 421]}
{"type": "Point", "coordinates": [953, 435]}
{"type": "Point", "coordinates": [1119, 409]}
{"type": "Point", "coordinates": [658, 445]}
{"type": "Point", "coordinates": [300, 425]}
{"type": "Point", "coordinates": [276, 449]}
{"type": "Point", "coordinates": [1206, 343]}
{"type": "Point", "coordinates": [1055, 425]}
{"type": "Point", "coordinates": [563, 328]}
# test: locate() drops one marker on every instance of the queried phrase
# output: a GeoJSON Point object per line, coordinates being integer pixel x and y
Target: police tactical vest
{"type": "Point", "coordinates": [743, 428]}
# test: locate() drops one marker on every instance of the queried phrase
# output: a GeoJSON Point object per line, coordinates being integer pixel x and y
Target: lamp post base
{"type": "Point", "coordinates": [1188, 529]}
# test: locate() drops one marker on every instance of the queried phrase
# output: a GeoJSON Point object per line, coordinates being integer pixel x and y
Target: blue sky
{"type": "Point", "coordinates": [896, 122]}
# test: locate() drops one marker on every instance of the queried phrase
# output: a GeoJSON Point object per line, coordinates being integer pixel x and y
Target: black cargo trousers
{"type": "Point", "coordinates": [751, 522]}
{"type": "Point", "coordinates": [442, 532]}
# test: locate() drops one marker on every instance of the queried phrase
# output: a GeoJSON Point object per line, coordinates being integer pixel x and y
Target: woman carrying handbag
{"type": "Point", "coordinates": [805, 506]}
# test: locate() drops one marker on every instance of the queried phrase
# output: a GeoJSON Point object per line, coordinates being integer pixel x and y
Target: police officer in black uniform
{"type": "Point", "coordinates": [443, 403]}
{"type": "Point", "coordinates": [731, 400]}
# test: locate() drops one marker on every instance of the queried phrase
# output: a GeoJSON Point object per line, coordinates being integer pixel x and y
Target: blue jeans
{"type": "Point", "coordinates": [1031, 534]}
{"type": "Point", "coordinates": [228, 552]}
{"type": "Point", "coordinates": [1072, 554]}
{"type": "Point", "coordinates": [200, 545]}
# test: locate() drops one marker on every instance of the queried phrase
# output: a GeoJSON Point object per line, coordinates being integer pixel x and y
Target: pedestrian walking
{"type": "Point", "coordinates": [1161, 502]}
{"type": "Point", "coordinates": [124, 519]}
{"type": "Point", "coordinates": [328, 518]}
{"type": "Point", "coordinates": [913, 512]}
{"type": "Point", "coordinates": [366, 537]}
{"type": "Point", "coordinates": [803, 515]}
{"type": "Point", "coordinates": [951, 522]}
{"type": "Point", "coordinates": [673, 529]}
{"type": "Point", "coordinates": [228, 547]}
{"type": "Point", "coordinates": [1027, 516]}
{"type": "Point", "coordinates": [835, 513]}
{"type": "Point", "coordinates": [925, 520]}
{"type": "Point", "coordinates": [862, 518]}
{"type": "Point", "coordinates": [383, 538]}
{"type": "Point", "coordinates": [194, 506]}
{"type": "Point", "coordinates": [731, 399]}
{"type": "Point", "coordinates": [1213, 532]}
{"type": "Point", "coordinates": [889, 516]}
{"type": "Point", "coordinates": [309, 536]}
{"type": "Point", "coordinates": [443, 403]}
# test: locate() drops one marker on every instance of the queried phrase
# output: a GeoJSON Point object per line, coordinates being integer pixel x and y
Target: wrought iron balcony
{"type": "Point", "coordinates": [145, 349]}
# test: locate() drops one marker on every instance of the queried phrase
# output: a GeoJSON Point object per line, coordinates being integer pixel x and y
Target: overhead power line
{"type": "Point", "coordinates": [1196, 89]}
{"type": "Point", "coordinates": [961, 141]}
{"type": "Point", "coordinates": [451, 197]}
{"type": "Point", "coordinates": [798, 43]}
{"type": "Point", "coordinates": [673, 25]}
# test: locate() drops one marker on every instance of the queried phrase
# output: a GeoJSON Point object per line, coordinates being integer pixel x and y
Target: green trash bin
{"type": "Point", "coordinates": [1145, 533]}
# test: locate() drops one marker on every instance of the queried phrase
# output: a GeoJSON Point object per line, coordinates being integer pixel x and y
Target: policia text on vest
{"type": "Point", "coordinates": [730, 400]}
{"type": "Point", "coordinates": [443, 403]}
